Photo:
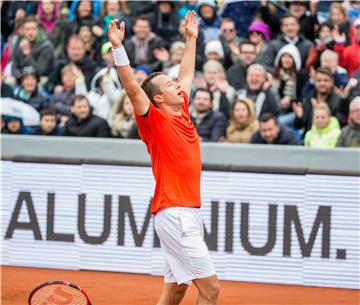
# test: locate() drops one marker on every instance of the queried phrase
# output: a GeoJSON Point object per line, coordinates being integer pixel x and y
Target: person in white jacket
{"type": "Point", "coordinates": [101, 98]}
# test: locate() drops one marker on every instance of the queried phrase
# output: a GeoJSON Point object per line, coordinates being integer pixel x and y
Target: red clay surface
{"type": "Point", "coordinates": [110, 288]}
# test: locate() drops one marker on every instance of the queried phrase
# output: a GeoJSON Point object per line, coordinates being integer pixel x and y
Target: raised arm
{"type": "Point", "coordinates": [187, 65]}
{"type": "Point", "coordinates": [137, 96]}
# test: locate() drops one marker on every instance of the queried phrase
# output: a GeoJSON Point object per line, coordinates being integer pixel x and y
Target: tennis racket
{"type": "Point", "coordinates": [58, 293]}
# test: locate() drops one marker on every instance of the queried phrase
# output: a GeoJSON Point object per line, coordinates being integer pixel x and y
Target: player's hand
{"type": "Point", "coordinates": [116, 36]}
{"type": "Point", "coordinates": [191, 24]}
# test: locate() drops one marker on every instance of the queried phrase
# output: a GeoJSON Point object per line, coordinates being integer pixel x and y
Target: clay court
{"type": "Point", "coordinates": [109, 288]}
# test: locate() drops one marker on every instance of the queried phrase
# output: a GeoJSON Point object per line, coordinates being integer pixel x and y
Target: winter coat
{"type": "Point", "coordinates": [323, 137]}
{"type": "Point", "coordinates": [333, 101]}
{"type": "Point", "coordinates": [285, 137]}
{"type": "Point", "coordinates": [350, 136]}
{"type": "Point", "coordinates": [61, 102]}
{"type": "Point", "coordinates": [37, 131]}
{"type": "Point", "coordinates": [164, 25]}
{"type": "Point", "coordinates": [41, 57]}
{"type": "Point", "coordinates": [212, 127]}
{"type": "Point", "coordinates": [153, 64]}
{"type": "Point", "coordinates": [242, 133]}
{"type": "Point", "coordinates": [210, 27]}
{"type": "Point", "coordinates": [275, 45]}
{"type": "Point", "coordinates": [37, 99]}
{"type": "Point", "coordinates": [349, 56]}
{"type": "Point", "coordinates": [236, 76]}
{"type": "Point", "coordinates": [268, 98]}
{"type": "Point", "coordinates": [92, 126]}
{"type": "Point", "coordinates": [23, 129]}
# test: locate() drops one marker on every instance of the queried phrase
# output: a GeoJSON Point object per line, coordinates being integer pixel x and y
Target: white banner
{"type": "Point", "coordinates": [270, 228]}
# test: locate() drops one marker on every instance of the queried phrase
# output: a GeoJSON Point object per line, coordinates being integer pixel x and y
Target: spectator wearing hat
{"type": "Point", "coordinates": [32, 49]}
{"type": "Point", "coordinates": [48, 124]}
{"type": "Point", "coordinates": [141, 73]}
{"type": "Point", "coordinates": [29, 92]}
{"type": "Point", "coordinates": [140, 47]}
{"type": "Point", "coordinates": [289, 79]}
{"type": "Point", "coordinates": [349, 56]}
{"type": "Point", "coordinates": [304, 11]}
{"type": "Point", "coordinates": [83, 123]}
{"type": "Point", "coordinates": [350, 134]}
{"type": "Point", "coordinates": [243, 123]}
{"type": "Point", "coordinates": [271, 132]}
{"type": "Point", "coordinates": [210, 125]}
{"type": "Point", "coordinates": [323, 92]}
{"type": "Point", "coordinates": [259, 34]}
{"type": "Point", "coordinates": [48, 11]}
{"type": "Point", "coordinates": [76, 55]}
{"type": "Point", "coordinates": [230, 42]}
{"type": "Point", "coordinates": [290, 28]}
{"type": "Point", "coordinates": [101, 98]}
{"type": "Point", "coordinates": [108, 62]}
{"type": "Point", "coordinates": [258, 90]}
{"type": "Point", "coordinates": [214, 51]}
{"type": "Point", "coordinates": [210, 21]}
{"type": "Point", "coordinates": [164, 21]}
{"type": "Point", "coordinates": [14, 125]}
{"type": "Point", "coordinates": [236, 74]}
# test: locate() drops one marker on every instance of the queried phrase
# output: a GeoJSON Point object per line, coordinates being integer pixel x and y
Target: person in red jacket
{"type": "Point", "coordinates": [349, 56]}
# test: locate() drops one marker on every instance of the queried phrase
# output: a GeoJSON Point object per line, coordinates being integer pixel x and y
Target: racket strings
{"type": "Point", "coordinates": [58, 294]}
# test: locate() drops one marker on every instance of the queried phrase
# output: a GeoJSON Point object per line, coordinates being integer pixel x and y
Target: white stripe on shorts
{"type": "Point", "coordinates": [181, 234]}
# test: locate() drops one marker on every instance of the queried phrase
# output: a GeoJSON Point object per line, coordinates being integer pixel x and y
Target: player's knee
{"type": "Point", "coordinates": [214, 290]}
{"type": "Point", "coordinates": [180, 289]}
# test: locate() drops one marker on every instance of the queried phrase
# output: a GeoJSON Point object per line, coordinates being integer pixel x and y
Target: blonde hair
{"type": "Point", "coordinates": [322, 106]}
{"type": "Point", "coordinates": [338, 6]}
{"type": "Point", "coordinates": [214, 64]}
{"type": "Point", "coordinates": [177, 45]}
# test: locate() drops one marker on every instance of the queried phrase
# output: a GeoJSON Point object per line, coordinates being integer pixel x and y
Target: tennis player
{"type": "Point", "coordinates": [162, 115]}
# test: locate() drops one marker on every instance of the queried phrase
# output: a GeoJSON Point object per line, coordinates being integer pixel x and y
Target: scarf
{"type": "Point", "coordinates": [289, 85]}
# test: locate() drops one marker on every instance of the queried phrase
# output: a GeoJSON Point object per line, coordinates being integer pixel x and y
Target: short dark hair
{"type": "Point", "coordinates": [47, 111]}
{"type": "Point", "coordinates": [287, 15]}
{"type": "Point", "coordinates": [78, 98]}
{"type": "Point", "coordinates": [150, 88]}
{"type": "Point", "coordinates": [246, 42]}
{"type": "Point", "coordinates": [325, 71]}
{"type": "Point", "coordinates": [203, 90]}
{"type": "Point", "coordinates": [267, 116]}
{"type": "Point", "coordinates": [142, 17]}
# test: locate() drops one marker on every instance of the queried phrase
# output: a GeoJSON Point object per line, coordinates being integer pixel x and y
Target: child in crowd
{"type": "Point", "coordinates": [48, 125]}
{"type": "Point", "coordinates": [325, 129]}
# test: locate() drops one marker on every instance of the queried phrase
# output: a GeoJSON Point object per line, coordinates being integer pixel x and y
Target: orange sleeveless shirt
{"type": "Point", "coordinates": [173, 145]}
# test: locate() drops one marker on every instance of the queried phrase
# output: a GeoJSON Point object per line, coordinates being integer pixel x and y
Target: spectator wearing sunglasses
{"type": "Point", "coordinates": [230, 42]}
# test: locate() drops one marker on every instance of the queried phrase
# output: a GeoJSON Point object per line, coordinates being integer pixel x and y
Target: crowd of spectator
{"type": "Point", "coordinates": [267, 72]}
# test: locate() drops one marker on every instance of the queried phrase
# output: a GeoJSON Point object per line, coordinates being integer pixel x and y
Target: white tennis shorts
{"type": "Point", "coordinates": [181, 234]}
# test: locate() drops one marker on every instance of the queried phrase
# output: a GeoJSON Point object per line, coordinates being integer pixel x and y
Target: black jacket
{"type": "Point", "coordinates": [39, 132]}
{"type": "Point", "coordinates": [38, 100]}
{"type": "Point", "coordinates": [333, 101]}
{"type": "Point", "coordinates": [153, 64]}
{"type": "Point", "coordinates": [164, 25]}
{"type": "Point", "coordinates": [285, 137]}
{"type": "Point", "coordinates": [86, 65]}
{"type": "Point", "coordinates": [275, 45]}
{"type": "Point", "coordinates": [92, 126]}
{"type": "Point", "coordinates": [236, 76]}
{"type": "Point", "coordinates": [212, 127]}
